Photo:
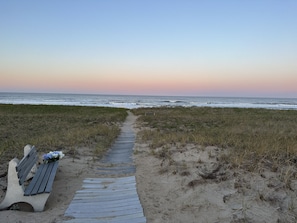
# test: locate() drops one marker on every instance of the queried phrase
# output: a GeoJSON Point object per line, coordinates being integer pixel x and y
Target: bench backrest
{"type": "Point", "coordinates": [25, 165]}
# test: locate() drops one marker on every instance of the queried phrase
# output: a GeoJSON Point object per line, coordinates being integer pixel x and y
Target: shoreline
{"type": "Point", "coordinates": [147, 101]}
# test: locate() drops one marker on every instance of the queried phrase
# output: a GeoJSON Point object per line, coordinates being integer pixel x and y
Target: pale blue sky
{"type": "Point", "coordinates": [150, 47]}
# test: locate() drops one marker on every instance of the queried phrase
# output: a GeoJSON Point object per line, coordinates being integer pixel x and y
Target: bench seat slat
{"type": "Point", "coordinates": [45, 177]}
{"type": "Point", "coordinates": [49, 185]}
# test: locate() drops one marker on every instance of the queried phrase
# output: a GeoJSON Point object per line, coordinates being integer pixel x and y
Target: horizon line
{"type": "Point", "coordinates": [143, 95]}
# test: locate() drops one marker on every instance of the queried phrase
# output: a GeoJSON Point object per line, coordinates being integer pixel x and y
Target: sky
{"type": "Point", "coordinates": [150, 47]}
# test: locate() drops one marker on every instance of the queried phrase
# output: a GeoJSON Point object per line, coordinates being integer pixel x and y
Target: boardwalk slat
{"type": "Point", "coordinates": [95, 213]}
{"type": "Point", "coordinates": [111, 198]}
{"type": "Point", "coordinates": [103, 210]}
{"type": "Point", "coordinates": [110, 180]}
{"type": "Point", "coordinates": [136, 218]}
{"type": "Point", "coordinates": [98, 201]}
{"type": "Point", "coordinates": [109, 205]}
{"type": "Point", "coordinates": [107, 194]}
{"type": "Point", "coordinates": [114, 189]}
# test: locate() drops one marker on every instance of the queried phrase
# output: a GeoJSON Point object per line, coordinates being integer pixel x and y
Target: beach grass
{"type": "Point", "coordinates": [54, 127]}
{"type": "Point", "coordinates": [253, 137]}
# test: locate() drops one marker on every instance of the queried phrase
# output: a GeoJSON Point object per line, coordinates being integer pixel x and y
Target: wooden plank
{"type": "Point", "coordinates": [114, 203]}
{"type": "Point", "coordinates": [106, 191]}
{"type": "Point", "coordinates": [101, 208]}
{"type": "Point", "coordinates": [121, 145]}
{"type": "Point", "coordinates": [26, 161]}
{"type": "Point", "coordinates": [113, 188]}
{"type": "Point", "coordinates": [102, 221]}
{"type": "Point", "coordinates": [86, 208]}
{"type": "Point", "coordinates": [96, 192]}
{"type": "Point", "coordinates": [30, 187]}
{"type": "Point", "coordinates": [32, 184]}
{"type": "Point", "coordinates": [124, 139]}
{"type": "Point", "coordinates": [117, 159]}
{"type": "Point", "coordinates": [102, 202]}
{"type": "Point", "coordinates": [125, 166]}
{"type": "Point", "coordinates": [22, 162]}
{"type": "Point", "coordinates": [115, 173]}
{"type": "Point", "coordinates": [119, 152]}
{"type": "Point", "coordinates": [49, 185]}
{"type": "Point", "coordinates": [25, 167]}
{"type": "Point", "coordinates": [44, 181]}
{"type": "Point", "coordinates": [108, 180]}
{"type": "Point", "coordinates": [92, 212]}
{"type": "Point", "coordinates": [110, 186]}
{"type": "Point", "coordinates": [22, 175]}
{"type": "Point", "coordinates": [116, 167]}
{"type": "Point", "coordinates": [40, 179]}
{"type": "Point", "coordinates": [107, 198]}
{"type": "Point", "coordinates": [131, 219]}
{"type": "Point", "coordinates": [117, 203]}
{"type": "Point", "coordinates": [107, 221]}
{"type": "Point", "coordinates": [135, 218]}
{"type": "Point", "coordinates": [87, 199]}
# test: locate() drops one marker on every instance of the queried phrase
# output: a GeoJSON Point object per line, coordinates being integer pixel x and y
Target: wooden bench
{"type": "Point", "coordinates": [20, 189]}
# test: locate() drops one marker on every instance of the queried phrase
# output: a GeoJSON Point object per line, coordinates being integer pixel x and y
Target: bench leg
{"type": "Point", "coordinates": [14, 189]}
{"type": "Point", "coordinates": [15, 192]}
{"type": "Point", "coordinates": [37, 201]}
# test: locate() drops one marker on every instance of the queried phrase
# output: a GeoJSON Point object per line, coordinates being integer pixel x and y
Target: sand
{"type": "Point", "coordinates": [191, 187]}
{"type": "Point", "coordinates": [195, 187]}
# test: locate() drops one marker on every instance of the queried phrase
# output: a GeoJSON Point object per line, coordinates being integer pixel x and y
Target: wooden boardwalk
{"type": "Point", "coordinates": [112, 196]}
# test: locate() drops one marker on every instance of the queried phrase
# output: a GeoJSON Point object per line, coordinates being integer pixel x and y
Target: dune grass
{"type": "Point", "coordinates": [51, 127]}
{"type": "Point", "coordinates": [253, 137]}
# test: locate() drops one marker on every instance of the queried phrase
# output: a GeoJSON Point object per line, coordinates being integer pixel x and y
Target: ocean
{"type": "Point", "coordinates": [133, 101]}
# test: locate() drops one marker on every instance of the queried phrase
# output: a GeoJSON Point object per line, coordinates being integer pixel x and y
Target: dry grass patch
{"type": "Point", "coordinates": [50, 127]}
{"type": "Point", "coordinates": [254, 137]}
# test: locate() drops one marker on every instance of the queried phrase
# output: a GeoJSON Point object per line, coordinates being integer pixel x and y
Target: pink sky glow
{"type": "Point", "coordinates": [198, 48]}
